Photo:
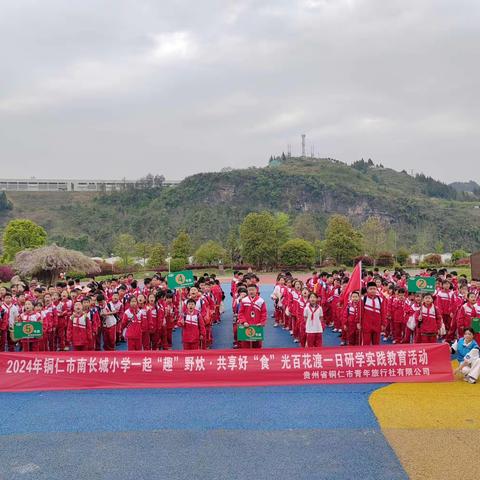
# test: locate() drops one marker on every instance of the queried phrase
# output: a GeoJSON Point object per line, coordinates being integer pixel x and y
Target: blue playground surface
{"type": "Point", "coordinates": [306, 432]}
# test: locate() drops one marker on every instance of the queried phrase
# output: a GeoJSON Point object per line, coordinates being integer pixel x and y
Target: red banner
{"type": "Point", "coordinates": [224, 368]}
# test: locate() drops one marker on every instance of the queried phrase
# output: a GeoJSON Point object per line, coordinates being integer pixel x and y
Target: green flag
{"type": "Point", "coordinates": [180, 279]}
{"type": "Point", "coordinates": [253, 333]}
{"type": "Point", "coordinates": [25, 330]}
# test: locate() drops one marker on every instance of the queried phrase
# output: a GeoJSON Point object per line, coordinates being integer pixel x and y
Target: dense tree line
{"type": "Point", "coordinates": [415, 211]}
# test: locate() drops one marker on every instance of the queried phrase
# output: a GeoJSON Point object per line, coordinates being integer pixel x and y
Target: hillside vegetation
{"type": "Point", "coordinates": [420, 210]}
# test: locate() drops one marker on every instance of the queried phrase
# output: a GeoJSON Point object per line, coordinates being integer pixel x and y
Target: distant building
{"type": "Point", "coordinates": [416, 258]}
{"type": "Point", "coordinates": [65, 185]}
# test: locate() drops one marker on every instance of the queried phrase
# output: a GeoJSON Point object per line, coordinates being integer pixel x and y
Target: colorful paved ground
{"type": "Point", "coordinates": [422, 431]}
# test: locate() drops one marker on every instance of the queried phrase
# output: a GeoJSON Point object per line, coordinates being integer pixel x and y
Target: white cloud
{"type": "Point", "coordinates": [392, 80]}
{"type": "Point", "coordinates": [173, 46]}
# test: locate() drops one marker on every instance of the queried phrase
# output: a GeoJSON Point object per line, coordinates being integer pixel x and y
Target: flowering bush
{"type": "Point", "coordinates": [6, 273]}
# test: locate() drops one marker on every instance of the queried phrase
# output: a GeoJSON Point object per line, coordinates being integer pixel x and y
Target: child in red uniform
{"type": "Point", "coordinates": [351, 320]}
{"type": "Point", "coordinates": [313, 315]}
{"type": "Point", "coordinates": [278, 296]}
{"type": "Point", "coordinates": [108, 322]}
{"type": "Point", "coordinates": [49, 316]}
{"type": "Point", "coordinates": [445, 302]}
{"type": "Point", "coordinates": [467, 313]}
{"type": "Point", "coordinates": [64, 312]}
{"type": "Point", "coordinates": [295, 295]}
{"type": "Point", "coordinates": [373, 316]}
{"type": "Point", "coordinates": [429, 320]}
{"type": "Point", "coordinates": [241, 293]}
{"type": "Point", "coordinates": [152, 333]}
{"type": "Point", "coordinates": [252, 311]}
{"type": "Point", "coordinates": [30, 315]}
{"type": "Point", "coordinates": [411, 330]}
{"type": "Point", "coordinates": [336, 306]}
{"type": "Point", "coordinates": [4, 320]}
{"type": "Point", "coordinates": [79, 329]}
{"type": "Point", "coordinates": [399, 310]}
{"type": "Point", "coordinates": [287, 304]}
{"type": "Point", "coordinates": [171, 314]}
{"type": "Point", "coordinates": [94, 319]}
{"type": "Point", "coordinates": [193, 326]}
{"type": "Point", "coordinates": [132, 326]}
{"type": "Point", "coordinates": [209, 300]}
{"type": "Point", "coordinates": [299, 313]}
{"type": "Point", "coordinates": [10, 314]}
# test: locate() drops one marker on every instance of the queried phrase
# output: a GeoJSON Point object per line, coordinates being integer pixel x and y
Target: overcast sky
{"type": "Point", "coordinates": [120, 88]}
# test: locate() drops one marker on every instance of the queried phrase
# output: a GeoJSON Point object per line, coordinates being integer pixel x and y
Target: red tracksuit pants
{"type": "Point", "coordinates": [250, 344]}
{"type": "Point", "coordinates": [134, 343]}
{"type": "Point", "coordinates": [3, 340]}
{"type": "Point", "coordinates": [167, 338]}
{"type": "Point", "coordinates": [398, 331]}
{"type": "Point", "coordinates": [61, 337]}
{"type": "Point", "coordinates": [352, 334]}
{"type": "Point", "coordinates": [150, 340]}
{"type": "Point", "coordinates": [314, 340]}
{"type": "Point", "coordinates": [371, 338]}
{"type": "Point", "coordinates": [109, 335]}
{"type": "Point", "coordinates": [425, 338]}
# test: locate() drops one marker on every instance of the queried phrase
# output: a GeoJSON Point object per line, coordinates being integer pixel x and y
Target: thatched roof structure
{"type": "Point", "coordinates": [47, 263]}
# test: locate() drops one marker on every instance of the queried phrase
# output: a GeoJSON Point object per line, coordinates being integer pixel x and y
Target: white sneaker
{"type": "Point", "coordinates": [275, 325]}
{"type": "Point", "coordinates": [471, 380]}
{"type": "Point", "coordinates": [296, 340]}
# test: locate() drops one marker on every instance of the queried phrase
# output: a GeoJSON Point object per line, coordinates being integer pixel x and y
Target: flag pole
{"type": "Point", "coordinates": [360, 339]}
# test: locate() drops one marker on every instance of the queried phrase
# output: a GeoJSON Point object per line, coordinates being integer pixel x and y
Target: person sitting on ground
{"type": "Point", "coordinates": [468, 356]}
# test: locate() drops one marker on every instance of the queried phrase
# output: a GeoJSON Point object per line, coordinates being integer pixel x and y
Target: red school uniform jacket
{"type": "Point", "coordinates": [154, 321]}
{"type": "Point", "coordinates": [4, 318]}
{"type": "Point", "coordinates": [295, 297]}
{"type": "Point", "coordinates": [300, 308]}
{"type": "Point", "coordinates": [351, 315]}
{"type": "Point", "coordinates": [95, 319]}
{"type": "Point", "coordinates": [133, 323]}
{"type": "Point", "coordinates": [193, 326]}
{"type": "Point", "coordinates": [373, 314]}
{"type": "Point", "coordinates": [400, 310]}
{"type": "Point", "coordinates": [429, 319]}
{"type": "Point", "coordinates": [49, 316]}
{"type": "Point", "coordinates": [252, 311]}
{"type": "Point", "coordinates": [445, 302]}
{"type": "Point", "coordinates": [217, 293]}
{"type": "Point", "coordinates": [466, 314]}
{"type": "Point", "coordinates": [64, 312]}
{"type": "Point", "coordinates": [79, 330]}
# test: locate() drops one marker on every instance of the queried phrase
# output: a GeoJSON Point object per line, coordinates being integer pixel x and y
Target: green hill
{"type": "Point", "coordinates": [421, 210]}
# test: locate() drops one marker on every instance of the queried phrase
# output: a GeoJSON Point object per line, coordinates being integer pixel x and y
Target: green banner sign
{"type": "Point", "coordinates": [421, 285]}
{"type": "Point", "coordinates": [180, 279]}
{"type": "Point", "coordinates": [253, 333]}
{"type": "Point", "coordinates": [25, 330]}
{"type": "Point", "coordinates": [476, 325]}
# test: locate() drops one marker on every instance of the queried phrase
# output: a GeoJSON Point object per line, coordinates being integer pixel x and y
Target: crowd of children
{"type": "Point", "coordinates": [104, 314]}
{"type": "Point", "coordinates": [381, 308]}
{"type": "Point", "coordinates": [101, 315]}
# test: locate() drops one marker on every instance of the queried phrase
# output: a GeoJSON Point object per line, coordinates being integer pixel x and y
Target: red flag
{"type": "Point", "coordinates": [354, 284]}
